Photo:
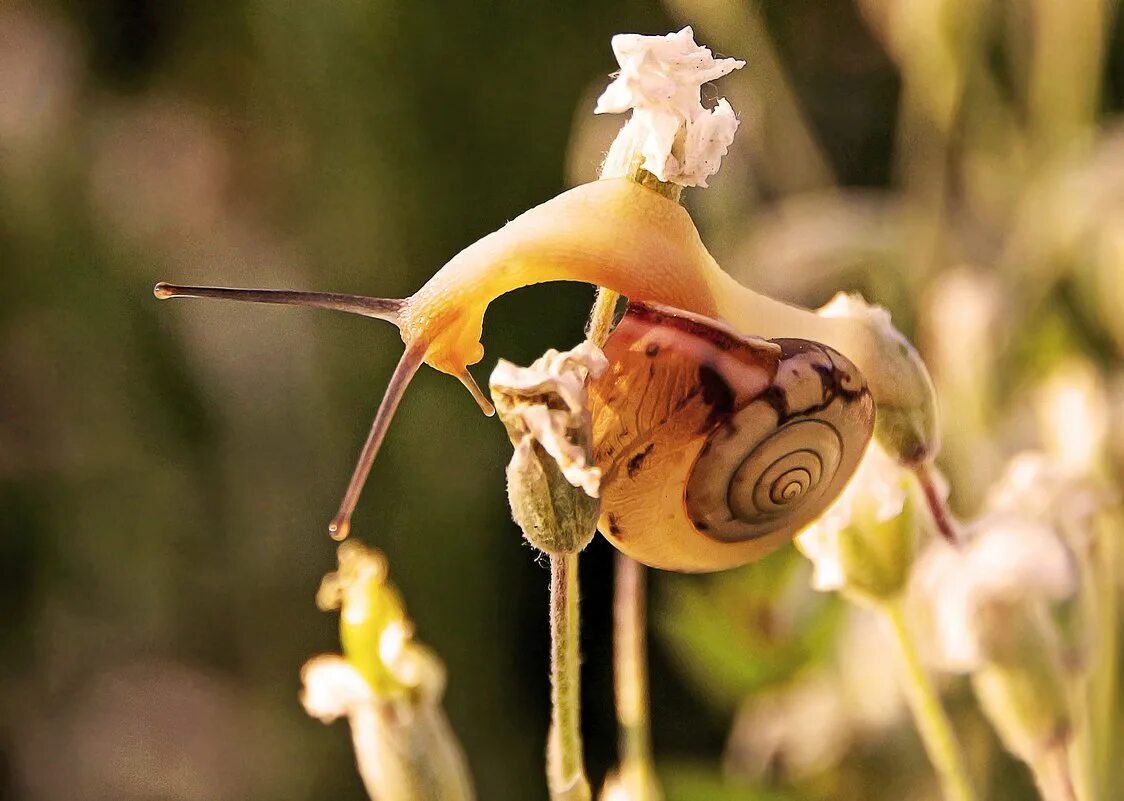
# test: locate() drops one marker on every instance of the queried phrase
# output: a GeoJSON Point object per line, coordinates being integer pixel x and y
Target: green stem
{"type": "Point", "coordinates": [928, 714]}
{"type": "Point", "coordinates": [630, 675]}
{"type": "Point", "coordinates": [565, 764]}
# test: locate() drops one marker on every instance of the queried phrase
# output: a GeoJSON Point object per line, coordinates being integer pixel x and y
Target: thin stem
{"type": "Point", "coordinates": [630, 677]}
{"type": "Point", "coordinates": [928, 714]}
{"type": "Point", "coordinates": [601, 316]}
{"type": "Point", "coordinates": [565, 765]}
{"type": "Point", "coordinates": [630, 647]}
{"type": "Point", "coordinates": [937, 505]}
{"type": "Point", "coordinates": [1053, 775]}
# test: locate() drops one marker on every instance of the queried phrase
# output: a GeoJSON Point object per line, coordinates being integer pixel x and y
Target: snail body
{"type": "Point", "coordinates": [716, 448]}
{"type": "Point", "coordinates": [618, 234]}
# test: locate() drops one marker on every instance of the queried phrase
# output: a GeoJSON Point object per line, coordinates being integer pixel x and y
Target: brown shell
{"type": "Point", "coordinates": [717, 448]}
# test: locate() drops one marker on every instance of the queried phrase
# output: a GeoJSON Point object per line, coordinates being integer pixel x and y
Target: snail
{"type": "Point", "coordinates": [716, 448]}
{"type": "Point", "coordinates": [618, 234]}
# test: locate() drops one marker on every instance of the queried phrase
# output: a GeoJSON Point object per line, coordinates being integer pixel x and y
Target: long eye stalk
{"type": "Point", "coordinates": [407, 366]}
{"type": "Point", "coordinates": [381, 308]}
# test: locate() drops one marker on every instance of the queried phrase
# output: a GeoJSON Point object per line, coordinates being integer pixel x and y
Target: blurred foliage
{"type": "Point", "coordinates": [166, 473]}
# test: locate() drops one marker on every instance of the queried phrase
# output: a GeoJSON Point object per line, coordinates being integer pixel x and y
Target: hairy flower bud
{"type": "Point", "coordinates": [552, 484]}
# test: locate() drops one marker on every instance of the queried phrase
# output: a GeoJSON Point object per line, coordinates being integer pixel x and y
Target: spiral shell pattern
{"type": "Point", "coordinates": [716, 448]}
{"type": "Point", "coordinates": [781, 459]}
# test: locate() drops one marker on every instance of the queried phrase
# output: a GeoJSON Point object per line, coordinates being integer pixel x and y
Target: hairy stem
{"type": "Point", "coordinates": [928, 714]}
{"type": "Point", "coordinates": [565, 765]}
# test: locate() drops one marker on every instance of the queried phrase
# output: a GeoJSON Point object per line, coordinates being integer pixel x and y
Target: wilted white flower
{"type": "Point", "coordinates": [660, 80]}
{"type": "Point", "coordinates": [1007, 562]}
{"type": "Point", "coordinates": [876, 493]}
{"type": "Point", "coordinates": [546, 403]}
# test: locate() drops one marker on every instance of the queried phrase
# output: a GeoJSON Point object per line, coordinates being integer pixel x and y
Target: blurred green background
{"type": "Point", "coordinates": [167, 470]}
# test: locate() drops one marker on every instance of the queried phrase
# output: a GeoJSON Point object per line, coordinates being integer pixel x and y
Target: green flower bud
{"type": "Point", "coordinates": [552, 483]}
{"type": "Point", "coordinates": [555, 516]}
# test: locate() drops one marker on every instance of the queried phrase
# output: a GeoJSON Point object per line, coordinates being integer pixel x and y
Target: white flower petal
{"type": "Point", "coordinates": [660, 80]}
{"type": "Point", "coordinates": [1013, 557]}
{"type": "Point", "coordinates": [529, 399]}
{"type": "Point", "coordinates": [332, 688]}
{"type": "Point", "coordinates": [708, 140]}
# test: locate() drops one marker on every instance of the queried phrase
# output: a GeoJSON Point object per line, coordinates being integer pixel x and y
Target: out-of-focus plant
{"type": "Point", "coordinates": [999, 239]}
{"type": "Point", "coordinates": [388, 686]}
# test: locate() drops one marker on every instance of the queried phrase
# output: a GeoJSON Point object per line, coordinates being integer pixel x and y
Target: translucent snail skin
{"type": "Point", "coordinates": [618, 234]}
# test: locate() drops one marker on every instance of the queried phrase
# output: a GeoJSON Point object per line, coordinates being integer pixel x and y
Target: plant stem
{"type": "Point", "coordinates": [630, 677]}
{"type": "Point", "coordinates": [928, 714]}
{"type": "Point", "coordinates": [565, 765]}
{"type": "Point", "coordinates": [1052, 773]}
{"type": "Point", "coordinates": [936, 504]}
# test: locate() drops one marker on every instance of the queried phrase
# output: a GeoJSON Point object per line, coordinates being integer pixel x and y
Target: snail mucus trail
{"type": "Point", "coordinates": [628, 238]}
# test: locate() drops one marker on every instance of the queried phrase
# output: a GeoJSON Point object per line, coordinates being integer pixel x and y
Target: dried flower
{"type": "Point", "coordinates": [660, 80]}
{"type": "Point", "coordinates": [552, 483]}
{"type": "Point", "coordinates": [546, 403]}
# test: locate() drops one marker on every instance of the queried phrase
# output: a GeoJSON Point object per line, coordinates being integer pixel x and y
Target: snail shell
{"type": "Point", "coordinates": [717, 448]}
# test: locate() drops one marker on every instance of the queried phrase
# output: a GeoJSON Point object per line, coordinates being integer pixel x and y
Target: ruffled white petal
{"type": "Point", "coordinates": [546, 402]}
{"type": "Point", "coordinates": [660, 80]}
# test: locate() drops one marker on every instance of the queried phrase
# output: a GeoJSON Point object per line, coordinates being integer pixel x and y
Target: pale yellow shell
{"type": "Point", "coordinates": [717, 448]}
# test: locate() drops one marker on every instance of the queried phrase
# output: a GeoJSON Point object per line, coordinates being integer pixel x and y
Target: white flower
{"type": "Point", "coordinates": [546, 402]}
{"type": "Point", "coordinates": [969, 593]}
{"type": "Point", "coordinates": [1016, 562]}
{"type": "Point", "coordinates": [876, 491]}
{"type": "Point", "coordinates": [660, 80]}
{"type": "Point", "coordinates": [1037, 487]}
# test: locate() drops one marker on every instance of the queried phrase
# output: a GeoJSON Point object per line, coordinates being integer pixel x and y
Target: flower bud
{"type": "Point", "coordinates": [388, 686]}
{"type": "Point", "coordinates": [909, 429]}
{"type": "Point", "coordinates": [555, 516]}
{"type": "Point", "coordinates": [552, 483]}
